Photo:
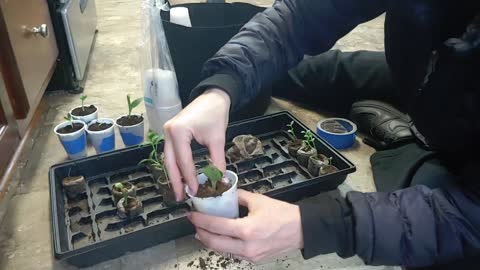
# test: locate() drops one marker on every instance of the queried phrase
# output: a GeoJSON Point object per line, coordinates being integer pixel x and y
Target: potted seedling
{"type": "Point", "coordinates": [102, 134]}
{"type": "Point", "coordinates": [217, 193]}
{"type": "Point", "coordinates": [294, 145]}
{"type": "Point", "coordinates": [119, 189]}
{"type": "Point", "coordinates": [155, 164]}
{"type": "Point", "coordinates": [315, 162]}
{"type": "Point", "coordinates": [131, 126]}
{"type": "Point", "coordinates": [84, 113]}
{"type": "Point", "coordinates": [71, 134]}
{"type": "Point", "coordinates": [327, 169]}
{"type": "Point", "coordinates": [308, 148]}
{"type": "Point", "coordinates": [74, 185]}
{"type": "Point", "coordinates": [129, 206]}
{"type": "Point", "coordinates": [245, 147]}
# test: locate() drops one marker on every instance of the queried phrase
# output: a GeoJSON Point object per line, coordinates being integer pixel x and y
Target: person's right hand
{"type": "Point", "coordinates": [205, 119]}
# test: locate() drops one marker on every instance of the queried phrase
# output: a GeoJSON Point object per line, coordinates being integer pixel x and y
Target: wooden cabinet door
{"type": "Point", "coordinates": [35, 54]}
{"type": "Point", "coordinates": [9, 136]}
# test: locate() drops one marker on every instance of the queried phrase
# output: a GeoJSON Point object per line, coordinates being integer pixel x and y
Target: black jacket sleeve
{"type": "Point", "coordinates": [277, 39]}
{"type": "Point", "coordinates": [414, 227]}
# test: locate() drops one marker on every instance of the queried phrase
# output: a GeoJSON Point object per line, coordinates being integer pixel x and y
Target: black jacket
{"type": "Point", "coordinates": [416, 226]}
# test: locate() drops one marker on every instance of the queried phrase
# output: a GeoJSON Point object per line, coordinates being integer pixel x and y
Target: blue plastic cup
{"type": "Point", "coordinates": [103, 140]}
{"type": "Point", "coordinates": [75, 143]}
{"type": "Point", "coordinates": [131, 135]}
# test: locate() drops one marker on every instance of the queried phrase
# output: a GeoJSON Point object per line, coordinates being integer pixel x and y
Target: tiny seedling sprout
{"type": "Point", "coordinates": [309, 139]}
{"type": "Point", "coordinates": [82, 99]}
{"type": "Point", "coordinates": [290, 130]}
{"type": "Point", "coordinates": [118, 186]}
{"type": "Point", "coordinates": [132, 104]}
{"type": "Point", "coordinates": [125, 199]}
{"type": "Point", "coordinates": [69, 118]}
{"type": "Point", "coordinates": [214, 175]}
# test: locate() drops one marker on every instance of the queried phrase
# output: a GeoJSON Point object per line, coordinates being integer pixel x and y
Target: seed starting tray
{"type": "Point", "coordinates": [87, 229]}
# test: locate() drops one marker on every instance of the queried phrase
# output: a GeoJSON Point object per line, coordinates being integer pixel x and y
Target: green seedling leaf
{"type": "Point", "coordinates": [309, 139]}
{"type": "Point", "coordinates": [69, 118]}
{"type": "Point", "coordinates": [133, 104]}
{"type": "Point", "coordinates": [118, 186]}
{"type": "Point", "coordinates": [214, 175]}
{"type": "Point", "coordinates": [82, 99]}
{"type": "Point", "coordinates": [291, 130]}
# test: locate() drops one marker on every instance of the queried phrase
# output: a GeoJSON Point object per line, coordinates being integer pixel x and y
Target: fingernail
{"type": "Point", "coordinates": [197, 236]}
{"type": "Point", "coordinates": [189, 216]}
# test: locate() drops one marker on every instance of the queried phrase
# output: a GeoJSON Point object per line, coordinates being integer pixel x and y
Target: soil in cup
{"type": "Point", "coordinates": [70, 129]}
{"type": "Point", "coordinates": [130, 120]}
{"type": "Point", "coordinates": [99, 126]}
{"type": "Point", "coordinates": [205, 190]}
{"type": "Point", "coordinates": [86, 110]}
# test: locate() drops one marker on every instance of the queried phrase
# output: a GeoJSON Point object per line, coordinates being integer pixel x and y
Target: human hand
{"type": "Point", "coordinates": [271, 228]}
{"type": "Point", "coordinates": [205, 119]}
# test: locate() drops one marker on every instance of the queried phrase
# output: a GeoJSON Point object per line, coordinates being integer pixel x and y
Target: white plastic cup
{"type": "Point", "coordinates": [86, 118]}
{"type": "Point", "coordinates": [75, 144]}
{"type": "Point", "coordinates": [160, 88]}
{"type": "Point", "coordinates": [225, 205]}
{"type": "Point", "coordinates": [103, 140]}
{"type": "Point", "coordinates": [181, 16]}
{"type": "Point", "coordinates": [132, 135]}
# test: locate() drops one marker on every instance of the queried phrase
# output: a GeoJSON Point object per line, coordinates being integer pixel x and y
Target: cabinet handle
{"type": "Point", "coordinates": [41, 30]}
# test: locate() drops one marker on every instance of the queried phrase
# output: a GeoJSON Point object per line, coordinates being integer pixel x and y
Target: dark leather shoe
{"type": "Point", "coordinates": [384, 126]}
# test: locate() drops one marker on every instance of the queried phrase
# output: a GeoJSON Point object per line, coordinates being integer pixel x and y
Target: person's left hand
{"type": "Point", "coordinates": [271, 228]}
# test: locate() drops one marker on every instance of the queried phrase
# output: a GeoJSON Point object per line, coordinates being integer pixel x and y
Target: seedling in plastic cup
{"type": "Point", "coordinates": [69, 119]}
{"type": "Point", "coordinates": [214, 175]}
{"type": "Point", "coordinates": [82, 99]}
{"type": "Point", "coordinates": [132, 104]}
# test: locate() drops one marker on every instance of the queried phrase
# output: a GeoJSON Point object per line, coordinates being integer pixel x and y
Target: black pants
{"type": "Point", "coordinates": [333, 81]}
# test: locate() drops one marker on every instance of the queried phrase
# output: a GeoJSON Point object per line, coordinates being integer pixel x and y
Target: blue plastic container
{"type": "Point", "coordinates": [338, 132]}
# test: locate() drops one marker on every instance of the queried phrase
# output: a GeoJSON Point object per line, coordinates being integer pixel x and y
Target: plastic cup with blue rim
{"type": "Point", "coordinates": [102, 140]}
{"type": "Point", "coordinates": [134, 134]}
{"type": "Point", "coordinates": [338, 132]}
{"type": "Point", "coordinates": [74, 142]}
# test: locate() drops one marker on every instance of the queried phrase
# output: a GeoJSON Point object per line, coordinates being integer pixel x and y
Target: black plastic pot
{"type": "Point", "coordinates": [213, 25]}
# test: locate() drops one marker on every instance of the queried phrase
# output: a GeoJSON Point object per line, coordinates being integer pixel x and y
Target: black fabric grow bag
{"type": "Point", "coordinates": [213, 25]}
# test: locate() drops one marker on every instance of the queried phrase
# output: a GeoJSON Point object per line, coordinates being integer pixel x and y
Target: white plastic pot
{"type": "Point", "coordinates": [132, 135]}
{"type": "Point", "coordinates": [103, 140]}
{"type": "Point", "coordinates": [225, 205]}
{"type": "Point", "coordinates": [75, 143]}
{"type": "Point", "coordinates": [86, 118]}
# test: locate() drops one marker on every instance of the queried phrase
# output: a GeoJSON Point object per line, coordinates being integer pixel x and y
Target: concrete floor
{"type": "Point", "coordinates": [25, 238]}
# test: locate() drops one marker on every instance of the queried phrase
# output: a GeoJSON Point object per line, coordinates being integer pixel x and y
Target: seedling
{"type": "Point", "coordinates": [82, 99]}
{"type": "Point", "coordinates": [214, 175]}
{"type": "Point", "coordinates": [291, 131]}
{"type": "Point", "coordinates": [132, 104]}
{"type": "Point", "coordinates": [69, 118]}
{"type": "Point", "coordinates": [154, 160]}
{"type": "Point", "coordinates": [308, 139]}
{"type": "Point", "coordinates": [118, 187]}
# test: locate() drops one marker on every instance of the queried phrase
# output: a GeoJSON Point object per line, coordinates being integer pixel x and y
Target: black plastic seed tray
{"type": "Point", "coordinates": [87, 229]}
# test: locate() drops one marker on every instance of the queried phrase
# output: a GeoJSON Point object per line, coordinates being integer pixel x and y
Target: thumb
{"type": "Point", "coordinates": [216, 148]}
